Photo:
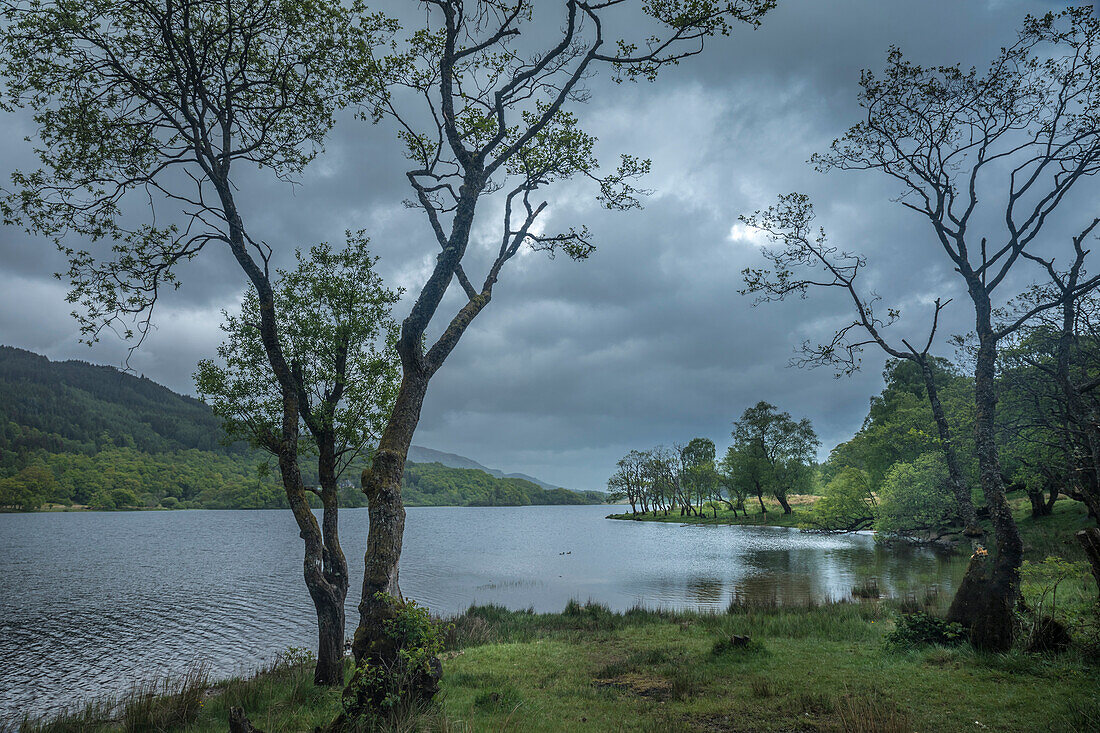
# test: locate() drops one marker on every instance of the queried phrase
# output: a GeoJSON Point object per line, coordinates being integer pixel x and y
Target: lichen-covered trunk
{"type": "Point", "coordinates": [382, 485]}
{"type": "Point", "coordinates": [958, 484]}
{"type": "Point", "coordinates": [987, 595]}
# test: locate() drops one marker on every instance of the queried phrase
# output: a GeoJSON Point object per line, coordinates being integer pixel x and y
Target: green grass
{"type": "Point", "coordinates": [820, 668]}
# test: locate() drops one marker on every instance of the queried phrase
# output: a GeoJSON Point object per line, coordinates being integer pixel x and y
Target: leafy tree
{"type": "Point", "coordinates": [700, 473]}
{"type": "Point", "coordinates": [144, 107]}
{"type": "Point", "coordinates": [917, 497]}
{"type": "Point", "coordinates": [28, 489]}
{"type": "Point", "coordinates": [735, 481]}
{"type": "Point", "coordinates": [986, 158]}
{"type": "Point", "coordinates": [496, 118]}
{"type": "Point", "coordinates": [333, 320]}
{"type": "Point", "coordinates": [900, 425]}
{"type": "Point", "coordinates": [629, 482]}
{"type": "Point", "coordinates": [848, 503]}
{"type": "Point", "coordinates": [773, 451]}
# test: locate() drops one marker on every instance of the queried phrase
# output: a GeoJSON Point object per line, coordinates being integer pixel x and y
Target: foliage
{"type": "Point", "coordinates": [774, 451]}
{"type": "Point", "coordinates": [848, 504]}
{"type": "Point", "coordinates": [920, 628]}
{"type": "Point", "coordinates": [916, 496]}
{"type": "Point", "coordinates": [899, 425]}
{"type": "Point", "coordinates": [77, 407]}
{"type": "Point", "coordinates": [433, 484]}
{"type": "Point", "coordinates": [333, 316]}
{"type": "Point", "coordinates": [395, 684]}
{"type": "Point", "coordinates": [149, 106]}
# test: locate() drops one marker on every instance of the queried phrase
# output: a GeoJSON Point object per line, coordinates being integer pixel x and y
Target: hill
{"type": "Point", "coordinates": [419, 454]}
{"type": "Point", "coordinates": [75, 433]}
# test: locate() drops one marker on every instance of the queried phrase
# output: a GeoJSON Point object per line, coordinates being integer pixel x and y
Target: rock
{"type": "Point", "coordinates": [238, 723]}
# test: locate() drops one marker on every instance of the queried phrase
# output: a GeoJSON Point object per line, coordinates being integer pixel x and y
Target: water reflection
{"type": "Point", "coordinates": [91, 602]}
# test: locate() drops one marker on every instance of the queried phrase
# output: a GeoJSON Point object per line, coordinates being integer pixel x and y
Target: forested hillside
{"type": "Point", "coordinates": [75, 433]}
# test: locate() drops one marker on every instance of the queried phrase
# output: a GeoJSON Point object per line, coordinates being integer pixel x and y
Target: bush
{"type": "Point", "coordinates": [917, 629]}
{"type": "Point", "coordinates": [391, 682]}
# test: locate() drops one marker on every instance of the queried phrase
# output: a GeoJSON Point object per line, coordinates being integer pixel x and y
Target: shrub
{"type": "Point", "coordinates": [917, 629]}
{"type": "Point", "coordinates": [391, 683]}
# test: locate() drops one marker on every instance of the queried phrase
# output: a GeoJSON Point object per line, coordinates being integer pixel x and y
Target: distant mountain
{"type": "Point", "coordinates": [115, 440]}
{"type": "Point", "coordinates": [420, 454]}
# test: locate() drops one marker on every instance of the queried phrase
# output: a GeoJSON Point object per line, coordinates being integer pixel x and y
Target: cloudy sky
{"type": "Point", "coordinates": [647, 342]}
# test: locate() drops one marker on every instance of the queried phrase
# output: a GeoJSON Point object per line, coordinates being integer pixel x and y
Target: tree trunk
{"type": "Point", "coordinates": [382, 485]}
{"type": "Point", "coordinates": [782, 499]}
{"type": "Point", "coordinates": [986, 598]}
{"type": "Point", "coordinates": [1090, 540]}
{"type": "Point", "coordinates": [763, 509]}
{"type": "Point", "coordinates": [318, 554]}
{"type": "Point", "coordinates": [329, 597]}
{"type": "Point", "coordinates": [954, 471]}
{"type": "Point", "coordinates": [1039, 506]}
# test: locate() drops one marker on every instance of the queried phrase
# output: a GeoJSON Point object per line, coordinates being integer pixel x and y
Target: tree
{"type": "Point", "coordinates": [629, 481]}
{"type": "Point", "coordinates": [848, 504]}
{"type": "Point", "coordinates": [27, 489]}
{"type": "Point", "coordinates": [700, 475]}
{"type": "Point", "coordinates": [335, 330]}
{"type": "Point", "coordinates": [916, 497]}
{"type": "Point", "coordinates": [967, 149]}
{"type": "Point", "coordinates": [735, 482]}
{"type": "Point", "coordinates": [807, 260]}
{"type": "Point", "coordinates": [900, 427]}
{"type": "Point", "coordinates": [495, 117]}
{"type": "Point", "coordinates": [773, 452]}
{"type": "Point", "coordinates": [1049, 377]}
{"type": "Point", "coordinates": [143, 107]}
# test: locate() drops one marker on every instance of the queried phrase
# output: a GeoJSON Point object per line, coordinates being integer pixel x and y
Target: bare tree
{"type": "Point", "coordinates": [969, 148]}
{"type": "Point", "coordinates": [805, 260]}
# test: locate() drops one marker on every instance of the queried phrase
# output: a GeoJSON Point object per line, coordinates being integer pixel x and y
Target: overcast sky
{"type": "Point", "coordinates": [648, 342]}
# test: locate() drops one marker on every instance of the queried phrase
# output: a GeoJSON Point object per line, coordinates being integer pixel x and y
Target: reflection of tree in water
{"type": "Point", "coordinates": [706, 591]}
{"type": "Point", "coordinates": [801, 575]}
{"type": "Point", "coordinates": [775, 589]}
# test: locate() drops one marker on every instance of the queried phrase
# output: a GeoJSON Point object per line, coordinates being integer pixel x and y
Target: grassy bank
{"type": "Point", "coordinates": [820, 668]}
{"type": "Point", "coordinates": [807, 669]}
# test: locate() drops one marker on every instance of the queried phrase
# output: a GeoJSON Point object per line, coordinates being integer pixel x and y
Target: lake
{"type": "Point", "coordinates": [91, 602]}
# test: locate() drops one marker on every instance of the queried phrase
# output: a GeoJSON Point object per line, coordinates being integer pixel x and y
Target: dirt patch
{"type": "Point", "coordinates": [636, 683]}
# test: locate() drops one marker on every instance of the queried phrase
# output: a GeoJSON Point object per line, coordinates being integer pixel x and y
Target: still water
{"type": "Point", "coordinates": [92, 602]}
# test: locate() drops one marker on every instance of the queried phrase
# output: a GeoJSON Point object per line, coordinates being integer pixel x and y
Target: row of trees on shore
{"type": "Point", "coordinates": [772, 455]}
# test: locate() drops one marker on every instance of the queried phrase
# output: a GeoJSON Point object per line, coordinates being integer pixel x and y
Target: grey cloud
{"type": "Point", "coordinates": [573, 364]}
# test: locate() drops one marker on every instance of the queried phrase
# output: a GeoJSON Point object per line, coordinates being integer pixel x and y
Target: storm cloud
{"type": "Point", "coordinates": [648, 341]}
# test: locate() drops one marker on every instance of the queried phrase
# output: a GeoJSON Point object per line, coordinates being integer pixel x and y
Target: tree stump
{"type": "Point", "coordinates": [238, 723]}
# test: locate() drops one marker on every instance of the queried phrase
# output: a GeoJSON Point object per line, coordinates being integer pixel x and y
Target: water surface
{"type": "Point", "coordinates": [92, 602]}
